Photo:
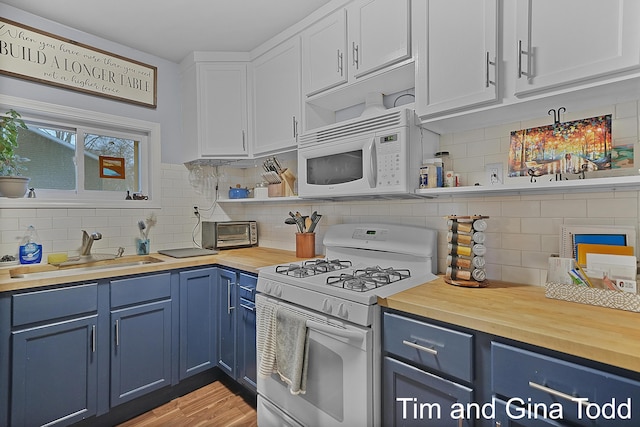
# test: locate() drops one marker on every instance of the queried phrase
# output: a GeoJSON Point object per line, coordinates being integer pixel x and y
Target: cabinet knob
{"type": "Point", "coordinates": [326, 306]}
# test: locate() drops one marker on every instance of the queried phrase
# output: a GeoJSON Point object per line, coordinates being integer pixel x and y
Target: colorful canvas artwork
{"type": "Point", "coordinates": [566, 148]}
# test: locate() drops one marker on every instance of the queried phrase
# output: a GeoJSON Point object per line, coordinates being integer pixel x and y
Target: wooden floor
{"type": "Point", "coordinates": [212, 405]}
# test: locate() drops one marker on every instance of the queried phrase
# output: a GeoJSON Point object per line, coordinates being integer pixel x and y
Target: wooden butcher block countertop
{"type": "Point", "coordinates": [523, 313]}
{"type": "Point", "coordinates": [246, 259]}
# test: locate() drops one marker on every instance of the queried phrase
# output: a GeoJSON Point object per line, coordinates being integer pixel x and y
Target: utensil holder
{"type": "Point", "coordinates": [305, 245]}
{"type": "Point", "coordinates": [142, 246]}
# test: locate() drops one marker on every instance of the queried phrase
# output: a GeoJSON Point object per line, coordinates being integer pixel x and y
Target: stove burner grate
{"type": "Point", "coordinates": [362, 280]}
{"type": "Point", "coordinates": [312, 267]}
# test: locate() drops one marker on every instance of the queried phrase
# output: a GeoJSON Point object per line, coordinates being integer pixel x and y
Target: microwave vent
{"type": "Point", "coordinates": [354, 128]}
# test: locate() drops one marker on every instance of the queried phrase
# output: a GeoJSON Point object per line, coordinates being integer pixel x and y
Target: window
{"type": "Point", "coordinates": [75, 155]}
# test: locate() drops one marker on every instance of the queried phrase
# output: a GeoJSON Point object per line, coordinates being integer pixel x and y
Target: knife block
{"type": "Point", "coordinates": [288, 178]}
{"type": "Point", "coordinates": [276, 190]}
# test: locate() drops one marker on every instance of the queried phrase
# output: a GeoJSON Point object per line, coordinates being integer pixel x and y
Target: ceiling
{"type": "Point", "coordinates": [172, 29]}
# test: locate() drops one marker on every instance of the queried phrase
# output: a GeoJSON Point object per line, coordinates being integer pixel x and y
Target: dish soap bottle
{"type": "Point", "coordinates": [30, 249]}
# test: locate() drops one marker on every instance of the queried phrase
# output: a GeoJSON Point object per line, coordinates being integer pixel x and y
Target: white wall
{"type": "Point", "coordinates": [168, 106]}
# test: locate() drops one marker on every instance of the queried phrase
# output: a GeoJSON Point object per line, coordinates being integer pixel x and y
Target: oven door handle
{"type": "Point", "coordinates": [335, 331]}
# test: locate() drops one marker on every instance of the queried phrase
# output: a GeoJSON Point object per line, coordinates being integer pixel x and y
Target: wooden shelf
{"type": "Point", "coordinates": [543, 186]}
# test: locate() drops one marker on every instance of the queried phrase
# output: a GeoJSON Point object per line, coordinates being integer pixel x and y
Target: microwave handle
{"type": "Point", "coordinates": [373, 163]}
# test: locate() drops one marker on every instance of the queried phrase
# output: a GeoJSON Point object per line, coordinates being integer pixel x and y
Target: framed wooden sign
{"type": "Point", "coordinates": [31, 54]}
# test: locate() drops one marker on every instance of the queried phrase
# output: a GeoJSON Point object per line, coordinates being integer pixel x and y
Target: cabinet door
{"type": "Point", "coordinates": [247, 368]}
{"type": "Point", "coordinates": [227, 321]}
{"type": "Point", "coordinates": [434, 397]}
{"type": "Point", "coordinates": [508, 415]}
{"type": "Point", "coordinates": [458, 51]}
{"type": "Point", "coordinates": [379, 33]}
{"type": "Point", "coordinates": [54, 373]}
{"type": "Point", "coordinates": [141, 350]}
{"type": "Point", "coordinates": [560, 43]}
{"type": "Point", "coordinates": [222, 109]}
{"type": "Point", "coordinates": [324, 53]}
{"type": "Point", "coordinates": [197, 321]}
{"type": "Point", "coordinates": [277, 96]}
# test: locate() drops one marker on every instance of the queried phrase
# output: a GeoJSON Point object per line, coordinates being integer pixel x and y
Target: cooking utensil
{"type": "Point", "coordinates": [291, 221]}
{"type": "Point", "coordinates": [314, 223]}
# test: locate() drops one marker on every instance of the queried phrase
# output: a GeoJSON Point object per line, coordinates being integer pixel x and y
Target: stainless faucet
{"type": "Point", "coordinates": [87, 242]}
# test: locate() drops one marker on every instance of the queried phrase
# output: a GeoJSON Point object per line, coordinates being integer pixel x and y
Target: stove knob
{"type": "Point", "coordinates": [342, 311]}
{"type": "Point", "coordinates": [326, 306]}
{"type": "Point", "coordinates": [267, 287]}
{"type": "Point", "coordinates": [278, 291]}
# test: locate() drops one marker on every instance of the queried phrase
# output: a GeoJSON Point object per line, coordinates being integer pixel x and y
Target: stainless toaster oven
{"type": "Point", "coordinates": [229, 234]}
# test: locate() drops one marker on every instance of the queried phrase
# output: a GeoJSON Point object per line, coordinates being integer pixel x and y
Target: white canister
{"type": "Point", "coordinates": [261, 191]}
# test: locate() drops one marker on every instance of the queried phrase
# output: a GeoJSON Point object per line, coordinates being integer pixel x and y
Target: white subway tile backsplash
{"type": "Point", "coordinates": [563, 208]}
{"type": "Point", "coordinates": [523, 229]}
{"type": "Point", "coordinates": [612, 208]}
{"type": "Point", "coordinates": [625, 128]}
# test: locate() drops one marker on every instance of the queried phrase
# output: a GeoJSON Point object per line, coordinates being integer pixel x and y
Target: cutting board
{"type": "Point", "coordinates": [186, 252]}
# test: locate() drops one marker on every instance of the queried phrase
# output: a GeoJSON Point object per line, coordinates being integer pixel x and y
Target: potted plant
{"type": "Point", "coordinates": [12, 183]}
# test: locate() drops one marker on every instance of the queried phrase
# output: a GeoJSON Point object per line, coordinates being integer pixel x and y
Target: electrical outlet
{"type": "Point", "coordinates": [494, 173]}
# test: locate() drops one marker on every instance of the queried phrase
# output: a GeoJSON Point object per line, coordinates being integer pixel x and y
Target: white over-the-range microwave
{"type": "Point", "coordinates": [368, 156]}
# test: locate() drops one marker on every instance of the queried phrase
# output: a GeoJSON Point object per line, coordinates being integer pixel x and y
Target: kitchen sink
{"type": "Point", "coordinates": [42, 271]}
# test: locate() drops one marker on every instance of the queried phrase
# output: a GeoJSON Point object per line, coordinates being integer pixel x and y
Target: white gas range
{"type": "Point", "coordinates": [338, 295]}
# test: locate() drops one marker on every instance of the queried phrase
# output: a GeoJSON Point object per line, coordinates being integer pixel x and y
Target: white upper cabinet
{"type": "Point", "coordinates": [277, 97]}
{"type": "Point", "coordinates": [215, 110]}
{"type": "Point", "coordinates": [324, 53]}
{"type": "Point", "coordinates": [223, 109]}
{"type": "Point", "coordinates": [379, 34]}
{"type": "Point", "coordinates": [457, 54]}
{"type": "Point", "coordinates": [351, 43]}
{"type": "Point", "coordinates": [565, 42]}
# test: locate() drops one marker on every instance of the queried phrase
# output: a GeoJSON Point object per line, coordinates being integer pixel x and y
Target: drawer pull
{"type": "Point", "coordinates": [420, 347]}
{"type": "Point", "coordinates": [557, 393]}
{"type": "Point", "coordinates": [246, 307]}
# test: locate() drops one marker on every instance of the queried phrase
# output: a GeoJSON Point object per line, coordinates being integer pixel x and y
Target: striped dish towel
{"type": "Point", "coordinates": [266, 312]}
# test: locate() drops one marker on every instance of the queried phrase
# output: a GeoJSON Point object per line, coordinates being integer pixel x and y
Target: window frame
{"type": "Point", "coordinates": [89, 121]}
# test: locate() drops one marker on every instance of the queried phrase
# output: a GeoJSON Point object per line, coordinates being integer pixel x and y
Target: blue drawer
{"type": "Point", "coordinates": [247, 286]}
{"type": "Point", "coordinates": [430, 346]}
{"type": "Point", "coordinates": [534, 378]}
{"type": "Point", "coordinates": [49, 304]}
{"type": "Point", "coordinates": [135, 290]}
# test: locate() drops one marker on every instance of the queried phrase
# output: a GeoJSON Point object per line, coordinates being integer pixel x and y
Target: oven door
{"type": "Point", "coordinates": [339, 378]}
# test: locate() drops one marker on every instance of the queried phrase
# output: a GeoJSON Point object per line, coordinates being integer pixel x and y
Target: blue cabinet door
{"type": "Point", "coordinates": [54, 373]}
{"type": "Point", "coordinates": [247, 331]}
{"type": "Point", "coordinates": [412, 397]}
{"type": "Point", "coordinates": [197, 321]}
{"type": "Point", "coordinates": [140, 350]}
{"type": "Point", "coordinates": [508, 415]}
{"type": "Point", "coordinates": [227, 321]}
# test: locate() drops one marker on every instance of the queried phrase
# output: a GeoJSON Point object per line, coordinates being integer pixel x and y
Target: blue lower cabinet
{"type": "Point", "coordinates": [237, 326]}
{"type": "Point", "coordinates": [510, 415]}
{"type": "Point", "coordinates": [140, 350]}
{"type": "Point", "coordinates": [197, 321]}
{"type": "Point", "coordinates": [227, 319]}
{"type": "Point", "coordinates": [413, 397]}
{"type": "Point", "coordinates": [54, 373]}
{"type": "Point", "coordinates": [75, 351]}
{"type": "Point", "coordinates": [247, 370]}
